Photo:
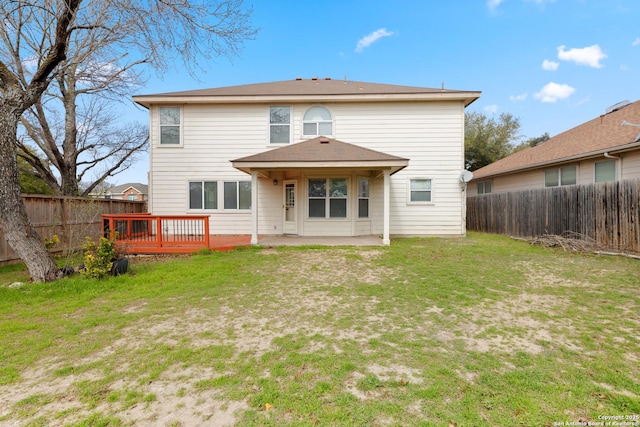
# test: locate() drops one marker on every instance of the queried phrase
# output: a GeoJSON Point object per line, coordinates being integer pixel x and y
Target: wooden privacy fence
{"type": "Point", "coordinates": [606, 213]}
{"type": "Point", "coordinates": [70, 218]}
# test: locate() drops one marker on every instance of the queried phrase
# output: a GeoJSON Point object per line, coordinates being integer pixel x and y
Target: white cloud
{"type": "Point", "coordinates": [550, 65]}
{"type": "Point", "coordinates": [520, 97]}
{"type": "Point", "coordinates": [589, 56]}
{"type": "Point", "coordinates": [553, 92]}
{"type": "Point", "coordinates": [493, 4]}
{"type": "Point", "coordinates": [636, 42]}
{"type": "Point", "coordinates": [491, 109]}
{"type": "Point", "coordinates": [367, 40]}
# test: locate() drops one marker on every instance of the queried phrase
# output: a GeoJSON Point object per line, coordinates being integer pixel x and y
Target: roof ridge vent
{"type": "Point", "coordinates": [619, 106]}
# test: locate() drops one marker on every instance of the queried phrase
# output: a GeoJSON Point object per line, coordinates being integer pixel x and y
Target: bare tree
{"type": "Point", "coordinates": [74, 126]}
{"type": "Point", "coordinates": [88, 47]}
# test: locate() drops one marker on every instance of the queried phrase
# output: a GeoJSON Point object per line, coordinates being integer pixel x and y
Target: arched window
{"type": "Point", "coordinates": [317, 121]}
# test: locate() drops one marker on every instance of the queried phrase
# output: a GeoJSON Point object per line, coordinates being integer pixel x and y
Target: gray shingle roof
{"type": "Point", "coordinates": [300, 88]}
{"type": "Point", "coordinates": [320, 149]}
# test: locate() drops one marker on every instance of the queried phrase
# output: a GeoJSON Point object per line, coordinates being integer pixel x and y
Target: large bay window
{"type": "Point", "coordinates": [328, 197]}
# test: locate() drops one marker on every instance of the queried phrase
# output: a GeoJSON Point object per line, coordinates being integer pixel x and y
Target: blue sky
{"type": "Point", "coordinates": [554, 64]}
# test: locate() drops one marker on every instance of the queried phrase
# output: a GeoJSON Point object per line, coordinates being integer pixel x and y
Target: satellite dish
{"type": "Point", "coordinates": [466, 176]}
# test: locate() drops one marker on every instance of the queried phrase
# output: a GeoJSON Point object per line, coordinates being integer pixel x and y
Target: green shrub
{"type": "Point", "coordinates": [98, 259]}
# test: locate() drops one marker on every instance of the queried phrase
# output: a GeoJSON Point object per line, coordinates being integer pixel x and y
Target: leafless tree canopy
{"type": "Point", "coordinates": [71, 134]}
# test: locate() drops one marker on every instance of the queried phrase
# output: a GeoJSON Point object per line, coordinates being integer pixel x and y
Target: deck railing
{"type": "Point", "coordinates": [154, 234]}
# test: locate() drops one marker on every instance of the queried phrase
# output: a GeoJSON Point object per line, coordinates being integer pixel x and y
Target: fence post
{"type": "Point", "coordinates": [206, 232]}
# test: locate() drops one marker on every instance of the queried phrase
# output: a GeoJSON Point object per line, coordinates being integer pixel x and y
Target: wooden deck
{"type": "Point", "coordinates": [173, 234]}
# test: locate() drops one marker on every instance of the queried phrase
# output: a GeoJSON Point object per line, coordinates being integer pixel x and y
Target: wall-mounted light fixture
{"type": "Point", "coordinates": [275, 182]}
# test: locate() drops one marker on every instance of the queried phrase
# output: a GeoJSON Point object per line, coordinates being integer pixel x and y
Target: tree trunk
{"type": "Point", "coordinates": [18, 230]}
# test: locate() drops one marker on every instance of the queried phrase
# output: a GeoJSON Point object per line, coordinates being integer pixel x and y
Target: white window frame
{"type": "Point", "coordinates": [202, 194]}
{"type": "Point", "coordinates": [237, 198]}
{"type": "Point", "coordinates": [327, 198]}
{"type": "Point", "coordinates": [483, 185]}
{"type": "Point", "coordinates": [558, 170]}
{"type": "Point", "coordinates": [317, 122]}
{"type": "Point", "coordinates": [409, 191]}
{"type": "Point", "coordinates": [601, 162]}
{"type": "Point", "coordinates": [179, 125]}
{"type": "Point", "coordinates": [367, 197]}
{"type": "Point", "coordinates": [280, 124]}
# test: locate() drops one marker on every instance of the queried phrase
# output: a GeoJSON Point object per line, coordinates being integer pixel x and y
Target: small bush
{"type": "Point", "coordinates": [98, 259]}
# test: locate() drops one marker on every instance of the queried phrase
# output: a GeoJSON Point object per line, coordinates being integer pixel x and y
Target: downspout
{"type": "Point", "coordinates": [618, 160]}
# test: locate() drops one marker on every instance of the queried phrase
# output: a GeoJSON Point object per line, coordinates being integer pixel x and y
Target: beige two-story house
{"type": "Point", "coordinates": [311, 157]}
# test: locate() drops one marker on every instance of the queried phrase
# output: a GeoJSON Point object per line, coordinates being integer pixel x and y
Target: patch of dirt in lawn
{"type": "Point", "coordinates": [526, 322]}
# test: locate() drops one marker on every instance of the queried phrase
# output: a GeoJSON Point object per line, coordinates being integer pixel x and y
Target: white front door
{"type": "Point", "coordinates": [290, 208]}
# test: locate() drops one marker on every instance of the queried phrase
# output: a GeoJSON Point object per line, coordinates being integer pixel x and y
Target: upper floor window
{"type": "Point", "coordinates": [419, 190]}
{"type": "Point", "coordinates": [484, 187]}
{"type": "Point", "coordinates": [317, 121]}
{"type": "Point", "coordinates": [132, 197]}
{"type": "Point", "coordinates": [279, 125]}
{"type": "Point", "coordinates": [170, 122]}
{"type": "Point", "coordinates": [606, 171]}
{"type": "Point", "coordinates": [560, 176]}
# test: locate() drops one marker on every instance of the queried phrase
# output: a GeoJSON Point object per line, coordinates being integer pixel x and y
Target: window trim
{"type": "Point", "coordinates": [327, 199]}
{"type": "Point", "coordinates": [607, 161]}
{"type": "Point", "coordinates": [367, 197]}
{"type": "Point", "coordinates": [558, 170]}
{"type": "Point", "coordinates": [224, 199]}
{"type": "Point", "coordinates": [180, 126]}
{"type": "Point", "coordinates": [290, 124]}
{"type": "Point", "coordinates": [484, 187]}
{"type": "Point", "coordinates": [317, 123]}
{"type": "Point", "coordinates": [409, 191]}
{"type": "Point", "coordinates": [202, 195]}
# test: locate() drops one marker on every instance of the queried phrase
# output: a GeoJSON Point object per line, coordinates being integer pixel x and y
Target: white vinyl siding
{"type": "Point", "coordinates": [429, 134]}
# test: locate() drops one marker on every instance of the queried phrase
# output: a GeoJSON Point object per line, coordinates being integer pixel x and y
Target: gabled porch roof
{"type": "Point", "coordinates": [320, 152]}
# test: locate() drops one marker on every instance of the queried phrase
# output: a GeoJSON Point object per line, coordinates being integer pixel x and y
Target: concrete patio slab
{"type": "Point", "coordinates": [289, 240]}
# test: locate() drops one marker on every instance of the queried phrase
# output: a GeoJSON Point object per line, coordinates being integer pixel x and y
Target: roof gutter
{"type": "Point", "coordinates": [148, 100]}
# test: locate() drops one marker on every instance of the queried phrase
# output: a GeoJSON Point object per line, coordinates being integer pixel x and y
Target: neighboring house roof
{"type": "Point", "coordinates": [308, 89]}
{"type": "Point", "coordinates": [320, 152]}
{"type": "Point", "coordinates": [604, 134]}
{"type": "Point", "coordinates": [121, 189]}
